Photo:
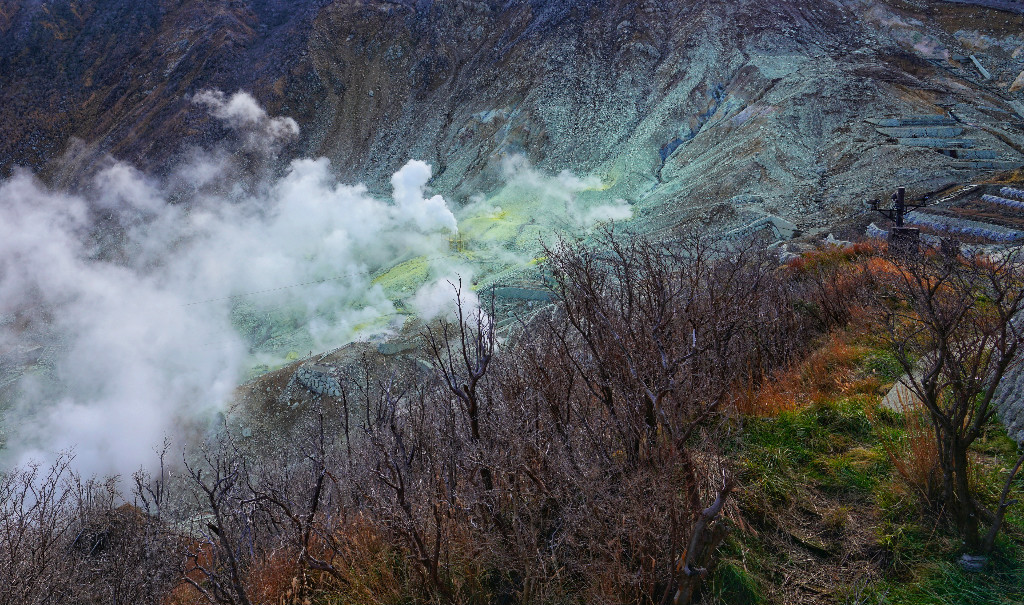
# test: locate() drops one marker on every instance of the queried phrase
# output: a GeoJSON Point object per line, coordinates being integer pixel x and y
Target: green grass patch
{"type": "Point", "coordinates": [944, 583]}
{"type": "Point", "coordinates": [826, 465]}
{"type": "Point", "coordinates": [782, 457]}
{"type": "Point", "coordinates": [855, 473]}
{"type": "Point", "coordinates": [883, 365]}
{"type": "Point", "coordinates": [731, 583]}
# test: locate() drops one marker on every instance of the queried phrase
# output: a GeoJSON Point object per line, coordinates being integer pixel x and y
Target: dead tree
{"type": "Point", "coordinates": [300, 504]}
{"type": "Point", "coordinates": [217, 558]}
{"type": "Point", "coordinates": [65, 539]}
{"type": "Point", "coordinates": [406, 471]}
{"type": "Point", "coordinates": [36, 525]}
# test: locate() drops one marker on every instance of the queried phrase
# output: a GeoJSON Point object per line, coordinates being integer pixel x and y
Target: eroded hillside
{"type": "Point", "coordinates": [677, 106]}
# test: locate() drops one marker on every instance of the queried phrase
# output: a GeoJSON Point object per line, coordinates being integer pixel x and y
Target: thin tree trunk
{"type": "Point", "coordinates": [967, 511]}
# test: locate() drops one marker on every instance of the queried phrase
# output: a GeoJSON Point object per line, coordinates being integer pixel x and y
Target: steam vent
{"type": "Point", "coordinates": [518, 302]}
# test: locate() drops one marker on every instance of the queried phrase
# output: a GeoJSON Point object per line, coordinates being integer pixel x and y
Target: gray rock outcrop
{"type": "Point", "coordinates": [319, 380]}
{"type": "Point", "coordinates": [1010, 403]}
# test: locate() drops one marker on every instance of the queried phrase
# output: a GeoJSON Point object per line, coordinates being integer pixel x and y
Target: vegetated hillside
{"type": "Point", "coordinates": [678, 105]}
{"type": "Point", "coordinates": [684, 428]}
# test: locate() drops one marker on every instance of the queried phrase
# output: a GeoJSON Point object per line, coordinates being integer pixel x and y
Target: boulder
{"type": "Point", "coordinates": [1018, 84]}
{"type": "Point", "coordinates": [839, 243]}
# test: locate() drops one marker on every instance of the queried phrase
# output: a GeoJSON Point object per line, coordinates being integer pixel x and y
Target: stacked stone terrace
{"type": "Point", "coordinates": [1014, 198]}
{"type": "Point", "coordinates": [319, 380]}
{"type": "Point", "coordinates": [1010, 403]}
{"type": "Point", "coordinates": [946, 136]}
{"type": "Point", "coordinates": [987, 213]}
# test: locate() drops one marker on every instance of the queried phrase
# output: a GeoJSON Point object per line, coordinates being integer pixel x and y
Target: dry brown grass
{"type": "Point", "coordinates": [372, 572]}
{"type": "Point", "coordinates": [185, 593]}
{"type": "Point", "coordinates": [371, 569]}
{"type": "Point", "coordinates": [276, 580]}
{"type": "Point", "coordinates": [836, 280]}
{"type": "Point", "coordinates": [829, 371]}
{"type": "Point", "coordinates": [916, 459]}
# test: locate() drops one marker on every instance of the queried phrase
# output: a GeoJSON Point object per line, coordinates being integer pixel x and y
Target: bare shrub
{"type": "Point", "coordinates": [36, 531]}
{"type": "Point", "coordinates": [834, 283]}
{"type": "Point", "coordinates": [68, 540]}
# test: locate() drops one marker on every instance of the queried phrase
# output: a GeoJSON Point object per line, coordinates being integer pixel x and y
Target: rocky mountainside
{"type": "Point", "coordinates": [678, 106]}
{"type": "Point", "coordinates": [139, 292]}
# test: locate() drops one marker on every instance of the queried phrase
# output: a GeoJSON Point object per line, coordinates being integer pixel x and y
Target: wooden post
{"type": "Point", "coordinates": [903, 240]}
{"type": "Point", "coordinates": [901, 205]}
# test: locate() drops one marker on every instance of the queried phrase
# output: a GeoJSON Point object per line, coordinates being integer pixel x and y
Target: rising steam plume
{"type": "Point", "coordinates": [133, 287]}
{"type": "Point", "coordinates": [144, 301]}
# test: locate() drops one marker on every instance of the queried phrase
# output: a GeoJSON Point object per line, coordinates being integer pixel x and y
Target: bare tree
{"type": "Point", "coordinates": [411, 471]}
{"type": "Point", "coordinates": [36, 525]}
{"type": "Point", "coordinates": [217, 556]}
{"type": "Point", "coordinates": [301, 503]}
{"type": "Point", "coordinates": [954, 324]}
{"type": "Point", "coordinates": [462, 350]}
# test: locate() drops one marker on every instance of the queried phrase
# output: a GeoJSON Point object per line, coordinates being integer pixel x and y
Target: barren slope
{"type": "Point", "coordinates": [678, 105]}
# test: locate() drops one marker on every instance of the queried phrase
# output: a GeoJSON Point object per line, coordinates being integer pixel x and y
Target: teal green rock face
{"type": "Point", "coordinates": [675, 105]}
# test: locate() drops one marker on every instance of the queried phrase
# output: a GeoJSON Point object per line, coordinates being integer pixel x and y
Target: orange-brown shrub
{"type": "Point", "coordinates": [835, 255]}
{"type": "Point", "coordinates": [185, 593]}
{"type": "Point", "coordinates": [833, 282]}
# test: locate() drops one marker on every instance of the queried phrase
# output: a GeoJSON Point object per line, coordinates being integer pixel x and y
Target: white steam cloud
{"type": "Point", "coordinates": [440, 298]}
{"type": "Point", "coordinates": [560, 194]}
{"type": "Point", "coordinates": [131, 310]}
{"type": "Point", "coordinates": [141, 300]}
{"type": "Point", "coordinates": [241, 112]}
{"type": "Point", "coordinates": [409, 183]}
